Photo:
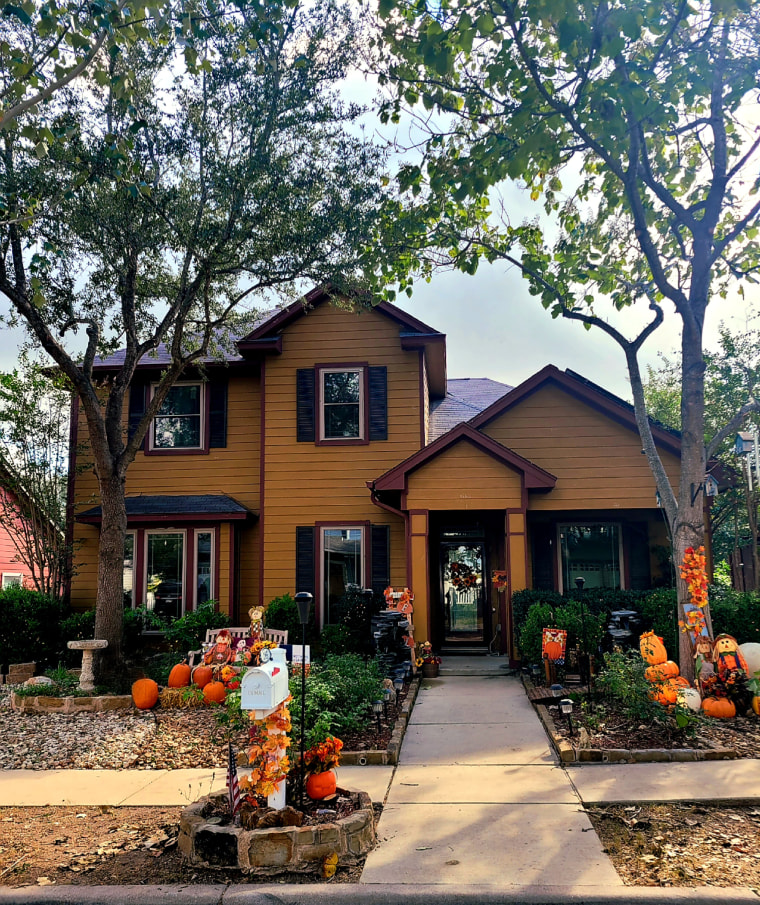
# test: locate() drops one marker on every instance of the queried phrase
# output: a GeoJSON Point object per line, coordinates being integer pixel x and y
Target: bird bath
{"type": "Point", "coordinates": [87, 678]}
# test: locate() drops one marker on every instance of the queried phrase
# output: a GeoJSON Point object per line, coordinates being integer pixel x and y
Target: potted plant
{"type": "Point", "coordinates": [427, 661]}
{"type": "Point", "coordinates": [319, 763]}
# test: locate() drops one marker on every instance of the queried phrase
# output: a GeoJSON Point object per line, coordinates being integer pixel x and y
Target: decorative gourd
{"type": "Point", "coordinates": [320, 785]}
{"type": "Point", "coordinates": [662, 671]}
{"type": "Point", "coordinates": [145, 694]}
{"type": "Point", "coordinates": [750, 650]}
{"type": "Point", "coordinates": [214, 693]}
{"type": "Point", "coordinates": [202, 675]}
{"type": "Point", "coordinates": [689, 697]}
{"type": "Point", "coordinates": [720, 708]}
{"type": "Point", "coordinates": [756, 704]}
{"type": "Point", "coordinates": [652, 649]}
{"type": "Point", "coordinates": [666, 693]}
{"type": "Point", "coordinates": [553, 650]}
{"type": "Point", "coordinates": [179, 677]}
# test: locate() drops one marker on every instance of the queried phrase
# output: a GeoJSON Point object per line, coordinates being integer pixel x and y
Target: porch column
{"type": "Point", "coordinates": [517, 557]}
{"type": "Point", "coordinates": [419, 573]}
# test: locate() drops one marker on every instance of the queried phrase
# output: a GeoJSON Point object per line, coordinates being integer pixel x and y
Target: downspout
{"type": "Point", "coordinates": [398, 512]}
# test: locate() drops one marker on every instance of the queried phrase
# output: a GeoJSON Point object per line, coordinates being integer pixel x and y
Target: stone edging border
{"type": "Point", "coordinates": [72, 704]}
{"type": "Point", "coordinates": [568, 754]}
{"type": "Point", "coordinates": [376, 756]}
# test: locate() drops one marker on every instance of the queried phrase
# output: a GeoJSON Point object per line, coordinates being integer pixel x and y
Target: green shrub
{"type": "Point", "coordinates": [282, 613]}
{"type": "Point", "coordinates": [29, 627]}
{"type": "Point", "coordinates": [337, 639]}
{"type": "Point", "coordinates": [658, 611]}
{"type": "Point", "coordinates": [188, 632]}
{"type": "Point", "coordinates": [736, 613]}
{"type": "Point", "coordinates": [567, 616]}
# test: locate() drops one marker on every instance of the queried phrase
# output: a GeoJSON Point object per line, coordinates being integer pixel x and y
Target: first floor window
{"type": "Point", "coordinates": [165, 568]}
{"type": "Point", "coordinates": [342, 566]}
{"type": "Point", "coordinates": [179, 422]}
{"type": "Point", "coordinates": [592, 552]}
{"type": "Point", "coordinates": [12, 580]}
{"type": "Point", "coordinates": [204, 578]}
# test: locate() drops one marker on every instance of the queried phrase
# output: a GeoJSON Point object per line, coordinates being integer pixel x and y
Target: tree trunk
{"type": "Point", "coordinates": [109, 608]}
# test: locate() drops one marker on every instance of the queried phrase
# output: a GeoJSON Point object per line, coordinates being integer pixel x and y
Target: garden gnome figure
{"type": "Point", "coordinates": [222, 652]}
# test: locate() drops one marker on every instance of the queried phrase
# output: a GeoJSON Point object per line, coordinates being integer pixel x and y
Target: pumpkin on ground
{"type": "Point", "coordinates": [202, 675]}
{"type": "Point", "coordinates": [756, 704]}
{"type": "Point", "coordinates": [652, 649]}
{"type": "Point", "coordinates": [720, 708]}
{"type": "Point", "coordinates": [662, 671]}
{"type": "Point", "coordinates": [179, 677]}
{"type": "Point", "coordinates": [214, 693]}
{"type": "Point", "coordinates": [145, 694]}
{"type": "Point", "coordinates": [666, 693]}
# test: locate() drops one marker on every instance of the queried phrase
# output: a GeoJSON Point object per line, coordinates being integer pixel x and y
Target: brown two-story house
{"type": "Point", "coordinates": [329, 450]}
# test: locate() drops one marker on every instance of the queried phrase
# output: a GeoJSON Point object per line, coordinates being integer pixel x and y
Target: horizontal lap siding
{"type": "Point", "coordinates": [597, 462]}
{"type": "Point", "coordinates": [305, 483]}
{"type": "Point", "coordinates": [232, 471]}
{"type": "Point", "coordinates": [464, 477]}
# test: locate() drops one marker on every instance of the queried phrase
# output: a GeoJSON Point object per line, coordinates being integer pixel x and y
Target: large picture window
{"type": "Point", "coordinates": [179, 423]}
{"type": "Point", "coordinates": [165, 569]}
{"type": "Point", "coordinates": [342, 566]}
{"type": "Point", "coordinates": [342, 408]}
{"type": "Point", "coordinates": [592, 552]}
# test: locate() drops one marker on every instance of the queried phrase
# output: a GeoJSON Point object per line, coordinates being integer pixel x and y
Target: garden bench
{"type": "Point", "coordinates": [269, 634]}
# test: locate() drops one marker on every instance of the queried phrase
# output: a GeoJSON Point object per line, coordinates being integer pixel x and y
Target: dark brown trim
{"type": "Point", "coordinates": [616, 409]}
{"type": "Point", "coordinates": [192, 517]}
{"type": "Point", "coordinates": [420, 340]}
{"type": "Point", "coordinates": [423, 438]}
{"type": "Point", "coordinates": [266, 344]}
{"type": "Point", "coordinates": [262, 483]}
{"type": "Point", "coordinates": [70, 494]}
{"type": "Point", "coordinates": [363, 366]}
{"type": "Point", "coordinates": [534, 477]}
{"type": "Point", "coordinates": [217, 563]}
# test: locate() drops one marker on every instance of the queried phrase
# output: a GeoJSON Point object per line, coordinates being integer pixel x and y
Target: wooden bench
{"type": "Point", "coordinates": [280, 636]}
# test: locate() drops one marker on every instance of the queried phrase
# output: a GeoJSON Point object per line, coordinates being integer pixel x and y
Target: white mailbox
{"type": "Point", "coordinates": [265, 687]}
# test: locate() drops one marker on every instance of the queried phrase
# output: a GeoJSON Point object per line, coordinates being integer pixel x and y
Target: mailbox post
{"type": "Point", "coordinates": [262, 690]}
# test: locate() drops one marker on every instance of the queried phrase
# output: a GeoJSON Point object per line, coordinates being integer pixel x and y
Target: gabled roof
{"type": "Point", "coordinates": [605, 402]}
{"type": "Point", "coordinates": [536, 478]}
{"type": "Point", "coordinates": [465, 398]}
{"type": "Point", "coordinates": [414, 334]}
{"type": "Point", "coordinates": [207, 506]}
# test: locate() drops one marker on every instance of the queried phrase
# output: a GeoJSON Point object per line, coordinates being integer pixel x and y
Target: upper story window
{"type": "Point", "coordinates": [179, 423]}
{"type": "Point", "coordinates": [342, 409]}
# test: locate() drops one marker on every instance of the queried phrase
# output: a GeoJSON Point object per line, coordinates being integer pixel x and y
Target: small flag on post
{"type": "Point", "coordinates": [233, 788]}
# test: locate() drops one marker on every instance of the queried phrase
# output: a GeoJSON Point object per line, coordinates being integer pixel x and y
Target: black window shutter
{"type": "Point", "coordinates": [305, 406]}
{"type": "Point", "coordinates": [305, 560]}
{"type": "Point", "coordinates": [138, 394]}
{"type": "Point", "coordinates": [378, 403]}
{"type": "Point", "coordinates": [380, 554]}
{"type": "Point", "coordinates": [217, 389]}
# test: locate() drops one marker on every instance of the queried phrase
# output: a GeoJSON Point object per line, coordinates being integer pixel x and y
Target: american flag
{"type": "Point", "coordinates": [233, 788]}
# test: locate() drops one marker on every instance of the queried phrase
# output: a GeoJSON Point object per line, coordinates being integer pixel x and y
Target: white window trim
{"type": "Point", "coordinates": [321, 570]}
{"type": "Point", "coordinates": [149, 532]}
{"type": "Point", "coordinates": [202, 404]}
{"type": "Point", "coordinates": [212, 580]}
{"type": "Point", "coordinates": [13, 575]}
{"type": "Point", "coordinates": [590, 524]}
{"type": "Point", "coordinates": [362, 395]}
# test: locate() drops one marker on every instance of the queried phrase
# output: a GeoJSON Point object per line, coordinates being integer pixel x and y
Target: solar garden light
{"type": "Point", "coordinates": [303, 602]}
{"type": "Point", "coordinates": [535, 672]}
{"type": "Point", "coordinates": [386, 699]}
{"type": "Point", "coordinates": [377, 709]}
{"type": "Point", "coordinates": [407, 671]}
{"type": "Point", "coordinates": [566, 706]}
{"type": "Point", "coordinates": [556, 690]}
{"type": "Point", "coordinates": [398, 684]}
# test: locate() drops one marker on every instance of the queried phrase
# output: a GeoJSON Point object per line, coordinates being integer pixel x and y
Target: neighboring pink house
{"type": "Point", "coordinates": [11, 570]}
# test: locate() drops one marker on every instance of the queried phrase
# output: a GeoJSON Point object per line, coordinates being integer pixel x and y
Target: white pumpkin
{"type": "Point", "coordinates": [751, 652]}
{"type": "Point", "coordinates": [689, 697]}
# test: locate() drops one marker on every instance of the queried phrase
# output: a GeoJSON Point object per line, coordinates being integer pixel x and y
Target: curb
{"type": "Point", "coordinates": [389, 756]}
{"type": "Point", "coordinates": [569, 754]}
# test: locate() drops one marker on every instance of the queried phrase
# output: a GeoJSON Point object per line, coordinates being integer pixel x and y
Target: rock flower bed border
{"type": "Point", "coordinates": [268, 852]}
{"type": "Point", "coordinates": [569, 754]}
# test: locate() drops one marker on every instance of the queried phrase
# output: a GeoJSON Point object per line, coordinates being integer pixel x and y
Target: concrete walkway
{"type": "Point", "coordinates": [478, 797]}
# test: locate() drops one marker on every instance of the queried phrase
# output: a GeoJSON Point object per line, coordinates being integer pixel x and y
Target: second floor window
{"type": "Point", "coordinates": [342, 410]}
{"type": "Point", "coordinates": [179, 422]}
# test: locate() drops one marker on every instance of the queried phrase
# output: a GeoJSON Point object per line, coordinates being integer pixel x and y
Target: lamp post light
{"type": "Point", "coordinates": [303, 601]}
{"type": "Point", "coordinates": [580, 581]}
{"type": "Point", "coordinates": [398, 684]}
{"type": "Point", "coordinates": [377, 709]}
{"type": "Point", "coordinates": [566, 706]}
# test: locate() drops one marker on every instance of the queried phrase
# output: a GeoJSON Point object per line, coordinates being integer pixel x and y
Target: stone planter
{"type": "Point", "coordinates": [18, 673]}
{"type": "Point", "coordinates": [71, 704]}
{"type": "Point", "coordinates": [268, 852]}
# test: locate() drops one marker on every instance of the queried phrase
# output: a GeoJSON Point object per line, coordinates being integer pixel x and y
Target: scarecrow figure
{"type": "Point", "coordinates": [222, 652]}
{"type": "Point", "coordinates": [732, 671]}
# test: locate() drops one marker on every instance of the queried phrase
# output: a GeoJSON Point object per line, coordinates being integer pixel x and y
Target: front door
{"type": "Point", "coordinates": [463, 592]}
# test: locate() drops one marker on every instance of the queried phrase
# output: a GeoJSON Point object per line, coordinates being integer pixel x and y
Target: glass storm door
{"type": "Point", "coordinates": [462, 591]}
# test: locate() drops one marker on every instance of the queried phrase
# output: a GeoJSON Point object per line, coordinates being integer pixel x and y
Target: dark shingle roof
{"type": "Point", "coordinates": [465, 398]}
{"type": "Point", "coordinates": [207, 505]}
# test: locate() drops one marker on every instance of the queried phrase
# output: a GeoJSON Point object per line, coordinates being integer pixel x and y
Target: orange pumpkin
{"type": "Point", "coordinates": [652, 649]}
{"type": "Point", "coordinates": [756, 704]}
{"type": "Point", "coordinates": [720, 708]}
{"type": "Point", "coordinates": [179, 677]}
{"type": "Point", "coordinates": [662, 671]}
{"type": "Point", "coordinates": [320, 785]}
{"type": "Point", "coordinates": [666, 692]}
{"type": "Point", "coordinates": [145, 694]}
{"type": "Point", "coordinates": [214, 693]}
{"type": "Point", "coordinates": [202, 675]}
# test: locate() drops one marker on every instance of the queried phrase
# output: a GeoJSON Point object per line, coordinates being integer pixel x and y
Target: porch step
{"type": "Point", "coordinates": [464, 651]}
{"type": "Point", "coordinates": [474, 666]}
